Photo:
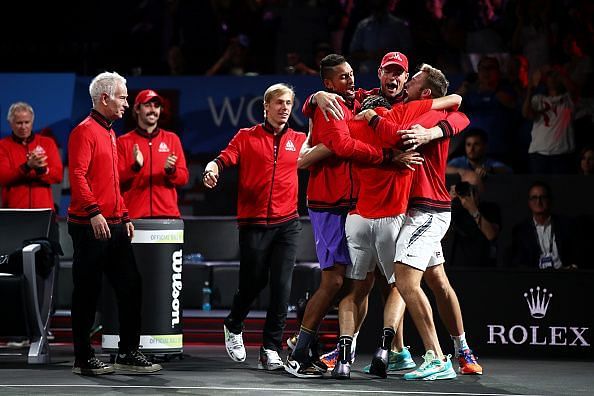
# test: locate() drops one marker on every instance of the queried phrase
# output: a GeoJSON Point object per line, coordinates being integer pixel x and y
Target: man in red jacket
{"type": "Point", "coordinates": [30, 163]}
{"type": "Point", "coordinates": [151, 163]}
{"type": "Point", "coordinates": [331, 192]}
{"type": "Point", "coordinates": [101, 231]}
{"type": "Point", "coordinates": [269, 227]}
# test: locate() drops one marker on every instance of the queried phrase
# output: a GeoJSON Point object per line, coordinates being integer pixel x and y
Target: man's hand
{"type": "Point", "coordinates": [481, 171]}
{"type": "Point", "coordinates": [35, 160]}
{"type": "Point", "coordinates": [100, 227]}
{"type": "Point", "coordinates": [138, 157]}
{"type": "Point", "coordinates": [366, 115]}
{"type": "Point", "coordinates": [171, 160]}
{"type": "Point", "coordinates": [210, 178]}
{"type": "Point", "coordinates": [418, 135]}
{"type": "Point", "coordinates": [329, 104]}
{"type": "Point", "coordinates": [407, 158]}
{"type": "Point", "coordinates": [468, 202]}
{"type": "Point", "coordinates": [130, 229]}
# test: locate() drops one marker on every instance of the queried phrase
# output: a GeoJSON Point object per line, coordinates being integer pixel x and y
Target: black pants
{"type": "Point", "coordinates": [266, 254]}
{"type": "Point", "coordinates": [92, 258]}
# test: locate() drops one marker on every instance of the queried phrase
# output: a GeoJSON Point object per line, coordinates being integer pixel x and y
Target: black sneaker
{"type": "Point", "coordinates": [341, 370]}
{"type": "Point", "coordinates": [379, 363]}
{"type": "Point", "coordinates": [91, 367]}
{"type": "Point", "coordinates": [320, 366]}
{"type": "Point", "coordinates": [315, 359]}
{"type": "Point", "coordinates": [301, 370]}
{"type": "Point", "coordinates": [135, 362]}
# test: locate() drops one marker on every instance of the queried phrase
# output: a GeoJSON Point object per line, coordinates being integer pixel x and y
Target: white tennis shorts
{"type": "Point", "coordinates": [419, 242]}
{"type": "Point", "coordinates": [372, 242]}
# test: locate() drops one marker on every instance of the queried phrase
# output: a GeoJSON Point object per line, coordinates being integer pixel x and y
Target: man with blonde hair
{"type": "Point", "coordinates": [269, 226]}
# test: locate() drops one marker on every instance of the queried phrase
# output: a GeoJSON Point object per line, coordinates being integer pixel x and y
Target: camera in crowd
{"type": "Point", "coordinates": [464, 189]}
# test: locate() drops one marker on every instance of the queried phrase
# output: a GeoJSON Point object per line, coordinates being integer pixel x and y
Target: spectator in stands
{"type": "Point", "coordinates": [295, 64]}
{"type": "Point", "coordinates": [535, 33]}
{"type": "Point", "coordinates": [269, 227]}
{"type": "Point", "coordinates": [377, 34]}
{"type": "Point", "coordinates": [234, 60]}
{"type": "Point", "coordinates": [476, 160]}
{"type": "Point", "coordinates": [552, 112]}
{"type": "Point", "coordinates": [543, 240]}
{"type": "Point", "coordinates": [587, 161]}
{"type": "Point", "coordinates": [101, 231]}
{"type": "Point", "coordinates": [475, 226]}
{"type": "Point", "coordinates": [490, 105]}
{"type": "Point", "coordinates": [151, 162]}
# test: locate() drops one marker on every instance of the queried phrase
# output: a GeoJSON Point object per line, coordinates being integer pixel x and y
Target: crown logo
{"type": "Point", "coordinates": [538, 302]}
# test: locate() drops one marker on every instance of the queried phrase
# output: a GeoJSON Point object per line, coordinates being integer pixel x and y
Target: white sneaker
{"type": "Point", "coordinates": [234, 345]}
{"type": "Point", "coordinates": [292, 342]}
{"type": "Point", "coordinates": [269, 360]}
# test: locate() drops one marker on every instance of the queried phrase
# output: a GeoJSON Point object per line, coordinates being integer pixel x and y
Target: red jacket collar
{"type": "Point", "coordinates": [144, 132]}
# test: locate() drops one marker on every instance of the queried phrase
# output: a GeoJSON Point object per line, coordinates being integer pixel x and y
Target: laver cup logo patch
{"type": "Point", "coordinates": [39, 150]}
{"type": "Point", "coordinates": [290, 146]}
{"type": "Point", "coordinates": [163, 148]}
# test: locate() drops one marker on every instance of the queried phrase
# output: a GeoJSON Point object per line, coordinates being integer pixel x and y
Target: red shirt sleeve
{"type": "Point", "coordinates": [335, 135]}
{"type": "Point", "coordinates": [454, 123]}
{"type": "Point", "coordinates": [55, 170]}
{"type": "Point", "coordinates": [399, 117]}
{"type": "Point", "coordinates": [10, 172]}
{"type": "Point", "coordinates": [308, 108]}
{"type": "Point", "coordinates": [230, 155]}
{"type": "Point", "coordinates": [181, 175]}
{"type": "Point", "coordinates": [125, 160]}
{"type": "Point", "coordinates": [80, 148]}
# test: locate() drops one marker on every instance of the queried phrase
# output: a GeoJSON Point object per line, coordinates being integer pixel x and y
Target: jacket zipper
{"type": "Point", "coordinates": [114, 170]}
{"type": "Point", "coordinates": [275, 148]}
{"type": "Point", "coordinates": [150, 176]}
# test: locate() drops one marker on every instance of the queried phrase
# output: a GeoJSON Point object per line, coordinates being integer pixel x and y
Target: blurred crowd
{"type": "Point", "coordinates": [524, 67]}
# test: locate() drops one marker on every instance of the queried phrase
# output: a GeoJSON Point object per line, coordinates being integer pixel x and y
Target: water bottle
{"type": "Point", "coordinates": [193, 258]}
{"type": "Point", "coordinates": [206, 293]}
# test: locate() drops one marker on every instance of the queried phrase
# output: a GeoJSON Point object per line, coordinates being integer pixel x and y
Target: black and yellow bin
{"type": "Point", "coordinates": [157, 246]}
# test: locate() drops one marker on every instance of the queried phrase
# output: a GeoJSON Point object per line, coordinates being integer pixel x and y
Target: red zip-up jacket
{"type": "Point", "coordinates": [331, 182]}
{"type": "Point", "coordinates": [23, 187]}
{"type": "Point", "coordinates": [150, 190]}
{"type": "Point", "coordinates": [429, 191]}
{"type": "Point", "coordinates": [268, 184]}
{"type": "Point", "coordinates": [93, 171]}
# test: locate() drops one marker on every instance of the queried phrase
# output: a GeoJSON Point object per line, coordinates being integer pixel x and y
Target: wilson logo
{"type": "Point", "coordinates": [176, 285]}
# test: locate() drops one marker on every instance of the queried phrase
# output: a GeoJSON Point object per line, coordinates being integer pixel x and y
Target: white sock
{"type": "Point", "coordinates": [354, 344]}
{"type": "Point", "coordinates": [459, 343]}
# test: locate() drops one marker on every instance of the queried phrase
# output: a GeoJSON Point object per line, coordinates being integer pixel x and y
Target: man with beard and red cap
{"type": "Point", "coordinates": [151, 162]}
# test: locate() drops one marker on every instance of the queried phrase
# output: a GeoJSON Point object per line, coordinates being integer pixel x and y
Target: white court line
{"type": "Point", "coordinates": [234, 388]}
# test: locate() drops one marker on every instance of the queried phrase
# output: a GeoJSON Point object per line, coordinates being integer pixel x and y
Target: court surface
{"type": "Point", "coordinates": [206, 370]}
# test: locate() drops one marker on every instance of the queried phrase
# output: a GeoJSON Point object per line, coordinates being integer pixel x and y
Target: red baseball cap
{"type": "Point", "coordinates": [146, 96]}
{"type": "Point", "coordinates": [395, 58]}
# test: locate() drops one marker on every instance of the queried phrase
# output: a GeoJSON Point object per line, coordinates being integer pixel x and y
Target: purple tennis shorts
{"type": "Point", "coordinates": [331, 243]}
